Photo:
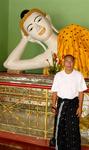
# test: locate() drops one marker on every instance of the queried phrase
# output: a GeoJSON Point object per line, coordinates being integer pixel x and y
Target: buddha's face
{"type": "Point", "coordinates": [38, 26]}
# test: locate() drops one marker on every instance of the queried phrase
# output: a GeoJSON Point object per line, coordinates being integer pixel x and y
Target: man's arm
{"type": "Point", "coordinates": [54, 100]}
{"type": "Point", "coordinates": [79, 110]}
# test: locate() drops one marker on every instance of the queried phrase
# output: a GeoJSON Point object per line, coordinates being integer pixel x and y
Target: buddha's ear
{"type": "Point", "coordinates": [49, 19]}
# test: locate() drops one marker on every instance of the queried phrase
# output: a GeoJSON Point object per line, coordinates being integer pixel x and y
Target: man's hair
{"type": "Point", "coordinates": [69, 55]}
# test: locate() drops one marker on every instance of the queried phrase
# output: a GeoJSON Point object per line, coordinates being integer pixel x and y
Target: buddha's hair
{"type": "Point", "coordinates": [23, 13]}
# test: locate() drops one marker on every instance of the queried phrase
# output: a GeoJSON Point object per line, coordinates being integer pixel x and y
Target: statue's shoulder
{"type": "Point", "coordinates": [72, 28]}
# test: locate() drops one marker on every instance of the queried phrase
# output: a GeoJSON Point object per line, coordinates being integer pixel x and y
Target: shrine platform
{"type": "Point", "coordinates": [26, 120]}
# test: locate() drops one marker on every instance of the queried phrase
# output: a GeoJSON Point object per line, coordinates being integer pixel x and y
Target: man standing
{"type": "Point", "coordinates": [67, 88]}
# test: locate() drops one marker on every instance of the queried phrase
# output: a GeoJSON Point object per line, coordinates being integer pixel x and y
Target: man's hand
{"type": "Point", "coordinates": [79, 112]}
{"type": "Point", "coordinates": [54, 109]}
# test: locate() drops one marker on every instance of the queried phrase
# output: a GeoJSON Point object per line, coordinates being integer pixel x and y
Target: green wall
{"type": "Point", "coordinates": [62, 12]}
{"type": "Point", "coordinates": [3, 32]}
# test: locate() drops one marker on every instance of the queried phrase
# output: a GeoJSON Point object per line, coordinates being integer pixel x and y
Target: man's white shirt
{"type": "Point", "coordinates": [68, 85]}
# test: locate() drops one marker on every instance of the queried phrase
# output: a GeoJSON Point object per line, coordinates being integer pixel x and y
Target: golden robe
{"type": "Point", "coordinates": [74, 40]}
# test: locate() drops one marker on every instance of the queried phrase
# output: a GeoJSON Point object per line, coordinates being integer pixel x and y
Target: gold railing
{"type": "Point", "coordinates": [26, 111]}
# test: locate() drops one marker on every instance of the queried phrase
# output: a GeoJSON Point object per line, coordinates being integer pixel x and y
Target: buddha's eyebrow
{"type": "Point", "coordinates": [36, 18]}
{"type": "Point", "coordinates": [29, 25]}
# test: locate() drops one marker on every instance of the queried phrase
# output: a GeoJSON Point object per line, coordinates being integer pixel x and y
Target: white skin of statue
{"type": "Point", "coordinates": [39, 29]}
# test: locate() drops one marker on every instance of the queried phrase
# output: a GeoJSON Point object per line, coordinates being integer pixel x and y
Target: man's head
{"type": "Point", "coordinates": [69, 63]}
{"type": "Point", "coordinates": [35, 23]}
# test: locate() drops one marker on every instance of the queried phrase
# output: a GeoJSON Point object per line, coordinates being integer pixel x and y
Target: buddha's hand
{"type": "Point", "coordinates": [26, 38]}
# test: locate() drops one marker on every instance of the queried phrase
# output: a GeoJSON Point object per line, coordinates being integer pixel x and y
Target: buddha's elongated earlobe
{"type": "Point", "coordinates": [39, 42]}
{"type": "Point", "coordinates": [54, 29]}
{"type": "Point", "coordinates": [44, 47]}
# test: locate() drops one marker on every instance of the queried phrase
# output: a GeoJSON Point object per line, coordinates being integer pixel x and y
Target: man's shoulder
{"type": "Point", "coordinates": [77, 73]}
{"type": "Point", "coordinates": [59, 73]}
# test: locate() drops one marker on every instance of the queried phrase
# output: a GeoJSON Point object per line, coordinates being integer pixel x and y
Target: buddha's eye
{"type": "Point", "coordinates": [31, 29]}
{"type": "Point", "coordinates": [39, 19]}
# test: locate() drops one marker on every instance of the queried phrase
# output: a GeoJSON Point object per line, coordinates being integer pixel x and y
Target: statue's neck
{"type": "Point", "coordinates": [52, 42]}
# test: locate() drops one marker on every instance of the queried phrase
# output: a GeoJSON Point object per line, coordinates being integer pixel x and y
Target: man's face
{"type": "Point", "coordinates": [68, 63]}
{"type": "Point", "coordinates": [38, 26]}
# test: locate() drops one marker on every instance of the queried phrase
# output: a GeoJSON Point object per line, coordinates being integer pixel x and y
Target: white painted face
{"type": "Point", "coordinates": [38, 26]}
